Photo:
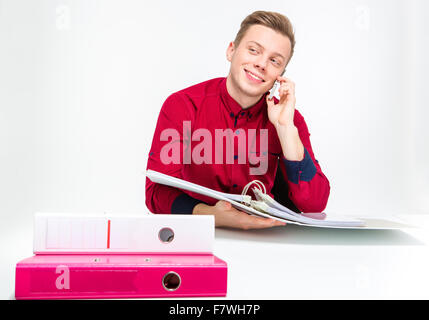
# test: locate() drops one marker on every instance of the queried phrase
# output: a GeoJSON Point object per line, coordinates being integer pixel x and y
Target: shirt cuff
{"type": "Point", "coordinates": [303, 170]}
{"type": "Point", "coordinates": [184, 204]}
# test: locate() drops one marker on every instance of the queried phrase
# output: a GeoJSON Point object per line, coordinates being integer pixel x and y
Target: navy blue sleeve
{"type": "Point", "coordinates": [303, 170]}
{"type": "Point", "coordinates": [184, 204]}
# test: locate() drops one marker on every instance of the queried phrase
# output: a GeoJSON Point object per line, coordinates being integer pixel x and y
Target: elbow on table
{"type": "Point", "coordinates": [314, 208]}
{"type": "Point", "coordinates": [317, 204]}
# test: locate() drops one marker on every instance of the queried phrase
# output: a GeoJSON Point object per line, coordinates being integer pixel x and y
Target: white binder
{"type": "Point", "coordinates": [274, 210]}
{"type": "Point", "coordinates": [101, 233]}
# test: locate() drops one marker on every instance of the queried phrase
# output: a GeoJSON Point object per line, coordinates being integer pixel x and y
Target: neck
{"type": "Point", "coordinates": [238, 95]}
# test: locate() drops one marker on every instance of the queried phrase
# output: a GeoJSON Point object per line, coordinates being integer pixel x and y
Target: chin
{"type": "Point", "coordinates": [252, 90]}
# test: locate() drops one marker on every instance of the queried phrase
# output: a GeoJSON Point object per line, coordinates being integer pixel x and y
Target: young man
{"type": "Point", "coordinates": [194, 122]}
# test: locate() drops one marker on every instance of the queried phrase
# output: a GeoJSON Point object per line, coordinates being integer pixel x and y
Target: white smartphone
{"type": "Point", "coordinates": [275, 86]}
{"type": "Point", "coordinates": [273, 90]}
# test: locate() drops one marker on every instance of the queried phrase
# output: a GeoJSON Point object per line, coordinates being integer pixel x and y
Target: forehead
{"type": "Point", "coordinates": [268, 38]}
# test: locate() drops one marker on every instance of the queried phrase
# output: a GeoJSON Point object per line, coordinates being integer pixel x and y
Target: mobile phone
{"type": "Point", "coordinates": [273, 90]}
{"type": "Point", "coordinates": [275, 86]}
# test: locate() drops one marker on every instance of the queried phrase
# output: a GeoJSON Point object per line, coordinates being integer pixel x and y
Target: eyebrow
{"type": "Point", "coordinates": [259, 45]}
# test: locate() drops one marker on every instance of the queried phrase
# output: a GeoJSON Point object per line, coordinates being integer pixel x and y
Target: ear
{"type": "Point", "coordinates": [230, 51]}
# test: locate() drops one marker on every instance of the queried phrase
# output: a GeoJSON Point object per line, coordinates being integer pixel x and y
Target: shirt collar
{"type": "Point", "coordinates": [234, 107]}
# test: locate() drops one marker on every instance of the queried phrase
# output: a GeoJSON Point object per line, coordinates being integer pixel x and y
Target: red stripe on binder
{"type": "Point", "coordinates": [108, 234]}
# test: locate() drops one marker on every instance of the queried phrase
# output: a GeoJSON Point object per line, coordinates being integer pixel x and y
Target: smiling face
{"type": "Point", "coordinates": [257, 61]}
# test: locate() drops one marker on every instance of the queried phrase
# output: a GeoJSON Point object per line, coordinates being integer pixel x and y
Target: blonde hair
{"type": "Point", "coordinates": [273, 20]}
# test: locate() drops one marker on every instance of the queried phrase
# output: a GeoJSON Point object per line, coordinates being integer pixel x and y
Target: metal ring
{"type": "Point", "coordinates": [166, 238]}
{"type": "Point", "coordinates": [174, 274]}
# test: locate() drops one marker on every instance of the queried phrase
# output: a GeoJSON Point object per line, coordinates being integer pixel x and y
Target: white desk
{"type": "Point", "coordinates": [295, 262]}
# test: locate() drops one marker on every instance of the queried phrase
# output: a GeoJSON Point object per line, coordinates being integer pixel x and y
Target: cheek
{"type": "Point", "coordinates": [244, 58]}
{"type": "Point", "coordinates": [274, 72]}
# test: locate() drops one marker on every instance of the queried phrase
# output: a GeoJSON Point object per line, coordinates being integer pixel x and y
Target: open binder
{"type": "Point", "coordinates": [267, 207]}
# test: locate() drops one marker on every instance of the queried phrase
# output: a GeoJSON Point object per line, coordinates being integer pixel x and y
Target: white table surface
{"type": "Point", "coordinates": [295, 262]}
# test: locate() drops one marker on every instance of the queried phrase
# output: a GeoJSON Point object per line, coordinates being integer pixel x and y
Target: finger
{"type": "Point", "coordinates": [261, 222]}
{"type": "Point", "coordinates": [284, 89]}
{"type": "Point", "coordinates": [283, 79]}
{"type": "Point", "coordinates": [270, 102]}
{"type": "Point", "coordinates": [280, 223]}
{"type": "Point", "coordinates": [265, 226]}
{"type": "Point", "coordinates": [284, 92]}
{"type": "Point", "coordinates": [225, 204]}
{"type": "Point", "coordinates": [289, 86]}
{"type": "Point", "coordinates": [247, 222]}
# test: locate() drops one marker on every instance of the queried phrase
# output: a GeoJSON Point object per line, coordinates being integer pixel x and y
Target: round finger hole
{"type": "Point", "coordinates": [171, 281]}
{"type": "Point", "coordinates": [166, 235]}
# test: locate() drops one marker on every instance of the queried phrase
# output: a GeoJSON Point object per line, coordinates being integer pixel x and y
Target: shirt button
{"type": "Point", "coordinates": [232, 115]}
{"type": "Point", "coordinates": [243, 113]}
{"type": "Point", "coordinates": [235, 157]}
{"type": "Point", "coordinates": [234, 185]}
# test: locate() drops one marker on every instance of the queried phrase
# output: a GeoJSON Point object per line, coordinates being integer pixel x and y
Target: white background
{"type": "Point", "coordinates": [82, 82]}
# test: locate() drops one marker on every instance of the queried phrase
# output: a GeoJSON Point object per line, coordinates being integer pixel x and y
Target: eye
{"type": "Point", "coordinates": [252, 50]}
{"type": "Point", "coordinates": [275, 61]}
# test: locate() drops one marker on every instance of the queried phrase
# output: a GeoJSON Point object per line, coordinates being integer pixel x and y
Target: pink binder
{"type": "Point", "coordinates": [120, 276]}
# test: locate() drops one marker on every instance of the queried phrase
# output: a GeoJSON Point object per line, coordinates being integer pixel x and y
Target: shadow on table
{"type": "Point", "coordinates": [293, 234]}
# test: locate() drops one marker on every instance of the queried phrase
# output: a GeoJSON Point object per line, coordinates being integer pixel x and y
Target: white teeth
{"type": "Point", "coordinates": [253, 76]}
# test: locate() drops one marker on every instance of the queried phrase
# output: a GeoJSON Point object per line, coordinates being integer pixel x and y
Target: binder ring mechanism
{"type": "Point", "coordinates": [259, 184]}
{"type": "Point", "coordinates": [260, 189]}
{"type": "Point", "coordinates": [263, 200]}
{"type": "Point", "coordinates": [166, 235]}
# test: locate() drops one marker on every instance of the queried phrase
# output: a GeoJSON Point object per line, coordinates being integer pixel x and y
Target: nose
{"type": "Point", "coordinates": [261, 63]}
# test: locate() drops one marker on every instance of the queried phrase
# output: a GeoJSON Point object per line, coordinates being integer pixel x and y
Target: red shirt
{"type": "Point", "coordinates": [209, 107]}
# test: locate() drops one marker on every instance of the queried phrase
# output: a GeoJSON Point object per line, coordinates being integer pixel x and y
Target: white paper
{"type": "Point", "coordinates": [277, 210]}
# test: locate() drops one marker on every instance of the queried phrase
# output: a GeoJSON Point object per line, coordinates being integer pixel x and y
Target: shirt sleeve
{"type": "Point", "coordinates": [165, 156]}
{"type": "Point", "coordinates": [308, 186]}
